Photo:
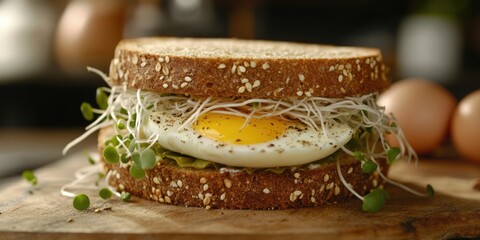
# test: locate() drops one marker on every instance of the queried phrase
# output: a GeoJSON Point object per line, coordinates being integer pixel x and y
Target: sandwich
{"type": "Point", "coordinates": [244, 124]}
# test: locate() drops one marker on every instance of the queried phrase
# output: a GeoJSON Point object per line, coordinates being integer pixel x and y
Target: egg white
{"type": "Point", "coordinates": [294, 147]}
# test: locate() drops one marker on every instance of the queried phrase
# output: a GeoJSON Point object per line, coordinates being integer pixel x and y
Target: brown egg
{"type": "Point", "coordinates": [423, 110]}
{"type": "Point", "coordinates": [87, 34]}
{"type": "Point", "coordinates": [466, 127]}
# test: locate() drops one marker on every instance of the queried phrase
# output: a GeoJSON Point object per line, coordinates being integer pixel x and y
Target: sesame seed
{"type": "Point", "coordinates": [175, 86]}
{"type": "Point", "coordinates": [222, 66]}
{"type": "Point", "coordinates": [167, 199]}
{"type": "Point", "coordinates": [308, 94]}
{"type": "Point", "coordinates": [297, 193]}
{"type": "Point", "coordinates": [183, 85]}
{"type": "Point", "coordinates": [296, 175]}
{"type": "Point", "coordinates": [208, 207]}
{"type": "Point", "coordinates": [143, 64]}
{"type": "Point", "coordinates": [200, 195]}
{"type": "Point", "coordinates": [161, 200]}
{"type": "Point", "coordinates": [367, 61]}
{"type": "Point", "coordinates": [244, 80]}
{"type": "Point", "coordinates": [330, 185]}
{"type": "Point", "coordinates": [158, 67]}
{"type": "Point", "coordinates": [359, 68]}
{"type": "Point", "coordinates": [343, 90]}
{"type": "Point", "coordinates": [228, 183]}
{"type": "Point", "coordinates": [299, 93]}
{"type": "Point", "coordinates": [322, 187]}
{"type": "Point", "coordinates": [312, 199]}
{"type": "Point", "coordinates": [234, 67]}
{"type": "Point", "coordinates": [340, 78]}
{"type": "Point", "coordinates": [345, 73]}
{"type": "Point", "coordinates": [188, 79]}
{"type": "Point", "coordinates": [256, 84]}
{"type": "Point", "coordinates": [357, 61]}
{"type": "Point", "coordinates": [117, 175]}
{"type": "Point", "coordinates": [121, 186]}
{"type": "Point", "coordinates": [326, 177]}
{"type": "Point", "coordinates": [155, 180]}
{"type": "Point", "coordinates": [248, 86]}
{"type": "Point", "coordinates": [292, 197]}
{"type": "Point", "coordinates": [301, 77]}
{"type": "Point", "coordinates": [203, 180]}
{"type": "Point", "coordinates": [349, 66]}
{"type": "Point", "coordinates": [205, 187]}
{"type": "Point", "coordinates": [135, 59]}
{"type": "Point", "coordinates": [153, 189]}
{"type": "Point", "coordinates": [173, 184]}
{"type": "Point", "coordinates": [265, 66]}
{"type": "Point", "coordinates": [180, 183]}
{"type": "Point", "coordinates": [266, 190]}
{"type": "Point", "coordinates": [169, 193]}
{"type": "Point", "coordinates": [350, 170]}
{"type": "Point", "coordinates": [161, 59]}
{"type": "Point", "coordinates": [206, 201]}
{"type": "Point", "coordinates": [165, 70]}
{"type": "Point", "coordinates": [246, 64]}
{"type": "Point", "coordinates": [167, 59]}
{"type": "Point", "coordinates": [165, 85]}
{"type": "Point", "coordinates": [241, 89]}
{"type": "Point", "coordinates": [222, 197]}
{"type": "Point", "coordinates": [375, 182]}
{"type": "Point", "coordinates": [337, 190]}
{"type": "Point", "coordinates": [331, 68]}
{"type": "Point", "coordinates": [253, 64]}
{"type": "Point", "coordinates": [242, 69]}
{"type": "Point", "coordinates": [340, 67]}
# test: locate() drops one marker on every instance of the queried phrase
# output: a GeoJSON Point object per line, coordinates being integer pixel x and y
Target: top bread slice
{"type": "Point", "coordinates": [246, 68]}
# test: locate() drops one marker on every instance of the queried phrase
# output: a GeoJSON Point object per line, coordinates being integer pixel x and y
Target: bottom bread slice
{"type": "Point", "coordinates": [229, 188]}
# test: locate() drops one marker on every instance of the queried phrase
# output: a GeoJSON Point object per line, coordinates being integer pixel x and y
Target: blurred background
{"type": "Point", "coordinates": [45, 46]}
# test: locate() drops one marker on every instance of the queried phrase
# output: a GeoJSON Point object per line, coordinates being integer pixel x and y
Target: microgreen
{"type": "Point", "coordinates": [120, 124]}
{"type": "Point", "coordinates": [392, 154]}
{"type": "Point", "coordinates": [148, 158]}
{"type": "Point", "coordinates": [87, 111]}
{"type": "Point", "coordinates": [125, 196]}
{"type": "Point", "coordinates": [102, 99]}
{"type": "Point", "coordinates": [369, 166]}
{"type": "Point", "coordinates": [105, 193]}
{"type": "Point", "coordinates": [30, 177]}
{"type": "Point", "coordinates": [136, 172]}
{"type": "Point", "coordinates": [110, 154]}
{"type": "Point", "coordinates": [430, 191]}
{"type": "Point", "coordinates": [375, 200]}
{"type": "Point", "coordinates": [359, 155]}
{"type": "Point", "coordinates": [136, 160]}
{"type": "Point", "coordinates": [81, 202]}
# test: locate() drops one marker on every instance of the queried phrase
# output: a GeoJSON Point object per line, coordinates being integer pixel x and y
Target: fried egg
{"type": "Point", "coordinates": [261, 143]}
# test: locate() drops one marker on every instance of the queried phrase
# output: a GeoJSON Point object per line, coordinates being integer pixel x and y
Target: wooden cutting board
{"type": "Point", "coordinates": [42, 213]}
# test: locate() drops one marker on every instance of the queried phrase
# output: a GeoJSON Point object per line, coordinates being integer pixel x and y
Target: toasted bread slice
{"type": "Point", "coordinates": [248, 69]}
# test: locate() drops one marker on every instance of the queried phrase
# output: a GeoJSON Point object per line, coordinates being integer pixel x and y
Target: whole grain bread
{"type": "Point", "coordinates": [234, 189]}
{"type": "Point", "coordinates": [246, 68]}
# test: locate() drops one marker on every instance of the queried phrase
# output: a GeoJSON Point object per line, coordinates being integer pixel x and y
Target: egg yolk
{"type": "Point", "coordinates": [228, 128]}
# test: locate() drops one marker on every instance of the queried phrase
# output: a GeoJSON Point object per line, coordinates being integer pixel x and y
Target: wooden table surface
{"type": "Point", "coordinates": [42, 213]}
